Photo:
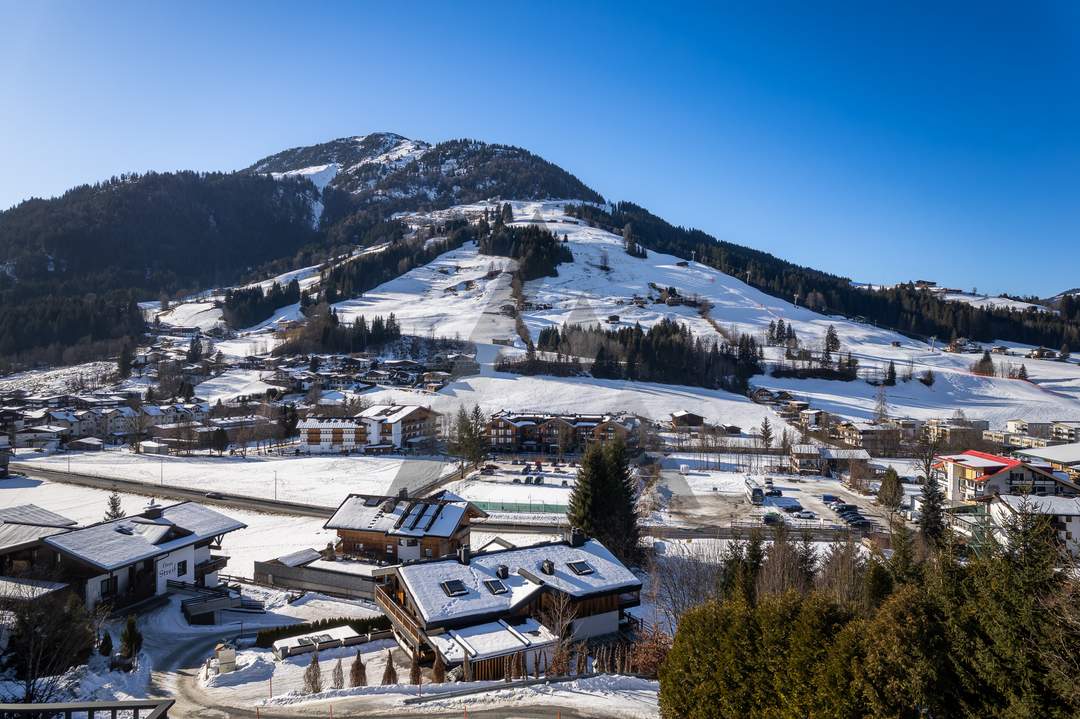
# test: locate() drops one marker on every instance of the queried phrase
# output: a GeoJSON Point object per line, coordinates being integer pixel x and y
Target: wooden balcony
{"type": "Point", "coordinates": [402, 621]}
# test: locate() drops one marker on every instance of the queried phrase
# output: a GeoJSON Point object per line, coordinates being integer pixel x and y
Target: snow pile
{"type": "Point", "coordinates": [606, 695]}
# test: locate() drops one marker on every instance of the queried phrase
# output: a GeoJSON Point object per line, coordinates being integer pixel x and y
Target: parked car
{"type": "Point", "coordinates": [829, 498]}
{"type": "Point", "coordinates": [805, 514]}
{"type": "Point", "coordinates": [793, 508]}
{"type": "Point", "coordinates": [772, 518]}
{"type": "Point", "coordinates": [773, 493]}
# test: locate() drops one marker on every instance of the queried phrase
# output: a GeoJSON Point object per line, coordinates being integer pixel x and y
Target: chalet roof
{"type": "Point", "coordinates": [121, 542]}
{"type": "Point", "coordinates": [399, 516]}
{"type": "Point", "coordinates": [1065, 454]}
{"type": "Point", "coordinates": [18, 536]}
{"type": "Point", "coordinates": [1056, 505]}
{"type": "Point", "coordinates": [836, 453]}
{"type": "Point", "coordinates": [33, 514]}
{"type": "Point", "coordinates": [525, 577]}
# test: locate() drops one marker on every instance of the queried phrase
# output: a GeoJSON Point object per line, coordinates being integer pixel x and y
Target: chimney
{"type": "Point", "coordinates": [577, 537]}
{"type": "Point", "coordinates": [547, 567]}
{"type": "Point", "coordinates": [152, 510]}
{"type": "Point", "coordinates": [403, 493]}
{"type": "Point", "coordinates": [463, 554]}
{"type": "Point", "coordinates": [502, 571]}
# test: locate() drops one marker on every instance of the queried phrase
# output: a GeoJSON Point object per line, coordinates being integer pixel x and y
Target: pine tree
{"type": "Point", "coordinates": [105, 648]}
{"type": "Point", "coordinates": [588, 506]}
{"type": "Point", "coordinates": [1022, 373]}
{"type": "Point", "coordinates": [832, 340]}
{"type": "Point", "coordinates": [891, 492]}
{"type": "Point", "coordinates": [131, 639]}
{"type": "Point", "coordinates": [390, 671]}
{"type": "Point", "coordinates": [337, 676]}
{"type": "Point", "coordinates": [313, 676]}
{"type": "Point", "coordinates": [766, 433]}
{"type": "Point", "coordinates": [932, 519]}
{"type": "Point", "coordinates": [928, 378]}
{"type": "Point", "coordinates": [113, 509]}
{"type": "Point", "coordinates": [123, 363]}
{"type": "Point", "coordinates": [623, 532]}
{"type": "Point", "coordinates": [358, 672]}
{"type": "Point", "coordinates": [890, 374]}
{"type": "Point", "coordinates": [414, 670]}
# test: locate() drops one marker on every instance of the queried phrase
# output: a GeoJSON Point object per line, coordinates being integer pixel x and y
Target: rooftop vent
{"type": "Point", "coordinates": [547, 566]}
{"type": "Point", "coordinates": [123, 529]}
{"type": "Point", "coordinates": [152, 511]}
{"type": "Point", "coordinates": [502, 571]}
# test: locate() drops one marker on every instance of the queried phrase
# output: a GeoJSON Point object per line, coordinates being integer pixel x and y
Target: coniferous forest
{"type": "Point", "coordinates": [779, 630]}
{"type": "Point", "coordinates": [667, 353]}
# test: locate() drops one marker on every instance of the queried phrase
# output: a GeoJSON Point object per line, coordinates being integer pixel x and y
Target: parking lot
{"type": "Point", "coordinates": [710, 498]}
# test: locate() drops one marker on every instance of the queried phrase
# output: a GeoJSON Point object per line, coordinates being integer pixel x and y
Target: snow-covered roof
{"type": "Point", "coordinates": [116, 544]}
{"type": "Point", "coordinates": [424, 580]}
{"type": "Point", "coordinates": [18, 536]}
{"type": "Point", "coordinates": [981, 460]}
{"type": "Point", "coordinates": [1066, 454]}
{"type": "Point", "coordinates": [300, 558]}
{"type": "Point", "coordinates": [24, 589]}
{"type": "Point", "coordinates": [1042, 504]}
{"type": "Point", "coordinates": [835, 453]}
{"type": "Point", "coordinates": [33, 514]}
{"type": "Point", "coordinates": [491, 639]}
{"type": "Point", "coordinates": [389, 413]}
{"type": "Point", "coordinates": [398, 516]}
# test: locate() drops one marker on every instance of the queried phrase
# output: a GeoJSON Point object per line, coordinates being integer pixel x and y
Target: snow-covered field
{"type": "Point", "coordinates": [457, 295]}
{"type": "Point", "coordinates": [319, 480]}
{"type": "Point", "coordinates": [233, 383]}
{"type": "Point", "coordinates": [267, 535]}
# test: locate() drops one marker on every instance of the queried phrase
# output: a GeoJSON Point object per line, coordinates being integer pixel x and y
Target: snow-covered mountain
{"type": "Point", "coordinates": [400, 173]}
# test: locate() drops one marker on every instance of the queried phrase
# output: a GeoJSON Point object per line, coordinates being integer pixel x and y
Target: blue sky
{"type": "Point", "coordinates": [880, 143]}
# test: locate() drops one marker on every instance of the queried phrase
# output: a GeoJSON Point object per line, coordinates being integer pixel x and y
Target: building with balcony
{"type": "Point", "coordinates": [130, 560]}
{"type": "Point", "coordinates": [503, 596]}
{"type": "Point", "coordinates": [397, 529]}
{"type": "Point", "coordinates": [557, 433]}
{"type": "Point", "coordinates": [381, 427]}
{"type": "Point", "coordinates": [972, 475]}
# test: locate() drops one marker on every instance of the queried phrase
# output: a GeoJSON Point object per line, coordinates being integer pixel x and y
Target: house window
{"type": "Point", "coordinates": [181, 568]}
{"type": "Point", "coordinates": [389, 548]}
{"type": "Point", "coordinates": [108, 587]}
{"type": "Point", "coordinates": [427, 552]}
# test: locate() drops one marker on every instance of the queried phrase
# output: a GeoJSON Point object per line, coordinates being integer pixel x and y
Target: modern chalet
{"type": "Point", "coordinates": [398, 529]}
{"type": "Point", "coordinates": [491, 604]}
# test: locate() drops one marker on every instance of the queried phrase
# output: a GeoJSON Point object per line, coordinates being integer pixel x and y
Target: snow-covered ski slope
{"type": "Point", "coordinates": [583, 292]}
{"type": "Point", "coordinates": [461, 294]}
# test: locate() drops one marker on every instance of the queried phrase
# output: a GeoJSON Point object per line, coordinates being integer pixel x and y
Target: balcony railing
{"type": "Point", "coordinates": [147, 709]}
{"type": "Point", "coordinates": [214, 564]}
{"type": "Point", "coordinates": [399, 617]}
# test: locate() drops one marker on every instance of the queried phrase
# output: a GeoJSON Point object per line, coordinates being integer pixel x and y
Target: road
{"type": "Point", "coordinates": [176, 677]}
{"type": "Point", "coordinates": [171, 491]}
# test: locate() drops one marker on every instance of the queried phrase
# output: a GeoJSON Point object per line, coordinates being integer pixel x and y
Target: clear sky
{"type": "Point", "coordinates": [882, 141]}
